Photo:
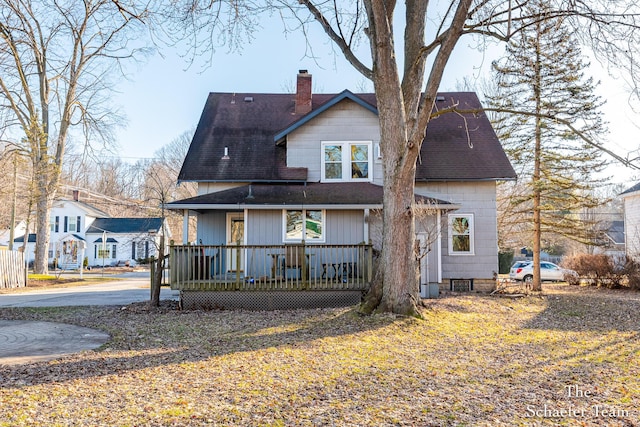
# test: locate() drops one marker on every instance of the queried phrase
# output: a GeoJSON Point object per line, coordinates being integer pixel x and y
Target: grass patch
{"type": "Point", "coordinates": [43, 281]}
{"type": "Point", "coordinates": [473, 360]}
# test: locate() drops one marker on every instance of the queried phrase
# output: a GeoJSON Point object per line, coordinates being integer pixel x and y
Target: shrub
{"type": "Point", "coordinates": [505, 259]}
{"type": "Point", "coordinates": [597, 270]}
{"type": "Point", "coordinates": [632, 272]}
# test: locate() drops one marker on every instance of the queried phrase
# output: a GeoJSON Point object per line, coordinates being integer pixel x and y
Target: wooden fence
{"type": "Point", "coordinates": [12, 269]}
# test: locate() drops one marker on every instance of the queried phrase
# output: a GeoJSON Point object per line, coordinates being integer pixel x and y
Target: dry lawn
{"type": "Point", "coordinates": [570, 357]}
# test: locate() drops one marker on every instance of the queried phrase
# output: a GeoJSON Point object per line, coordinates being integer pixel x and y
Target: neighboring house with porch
{"type": "Point", "coordinates": [77, 230]}
{"type": "Point", "coordinates": [290, 198]}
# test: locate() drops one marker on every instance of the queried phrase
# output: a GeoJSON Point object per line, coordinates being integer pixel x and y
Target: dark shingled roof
{"type": "Point", "coordinates": [457, 148]}
{"type": "Point", "coordinates": [462, 147]}
{"type": "Point", "coordinates": [125, 225]}
{"type": "Point", "coordinates": [615, 232]}
{"type": "Point", "coordinates": [632, 189]}
{"type": "Point", "coordinates": [310, 194]}
{"type": "Point", "coordinates": [32, 238]}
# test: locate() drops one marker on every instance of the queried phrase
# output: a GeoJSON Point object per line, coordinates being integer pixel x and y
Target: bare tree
{"type": "Point", "coordinates": [55, 61]}
{"type": "Point", "coordinates": [406, 90]}
{"type": "Point", "coordinates": [157, 189]}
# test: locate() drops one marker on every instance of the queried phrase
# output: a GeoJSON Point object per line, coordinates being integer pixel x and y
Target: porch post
{"type": "Point", "coordinates": [366, 225]}
{"type": "Point", "coordinates": [185, 226]}
{"type": "Point", "coordinates": [439, 245]}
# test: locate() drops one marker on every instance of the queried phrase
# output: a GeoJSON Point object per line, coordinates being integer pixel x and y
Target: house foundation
{"type": "Point", "coordinates": [268, 300]}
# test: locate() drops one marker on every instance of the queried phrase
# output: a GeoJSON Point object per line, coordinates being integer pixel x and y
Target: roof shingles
{"type": "Point", "coordinates": [457, 147]}
{"type": "Point", "coordinates": [125, 225]}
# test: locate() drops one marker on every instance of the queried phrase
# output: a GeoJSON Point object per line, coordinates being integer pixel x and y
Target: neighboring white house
{"type": "Point", "coordinates": [631, 207]}
{"type": "Point", "coordinates": [77, 232]}
{"type": "Point", "coordinates": [18, 231]}
{"type": "Point", "coordinates": [122, 240]}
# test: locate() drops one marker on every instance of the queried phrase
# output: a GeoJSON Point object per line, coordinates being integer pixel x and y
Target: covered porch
{"type": "Point", "coordinates": [270, 277]}
{"type": "Point", "coordinates": [300, 243]}
{"type": "Point", "coordinates": [290, 267]}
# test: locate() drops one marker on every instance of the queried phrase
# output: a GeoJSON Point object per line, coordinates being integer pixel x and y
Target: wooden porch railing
{"type": "Point", "coordinates": [270, 267]}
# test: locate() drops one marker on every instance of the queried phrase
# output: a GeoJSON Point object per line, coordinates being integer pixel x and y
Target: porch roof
{"type": "Point", "coordinates": [356, 195]}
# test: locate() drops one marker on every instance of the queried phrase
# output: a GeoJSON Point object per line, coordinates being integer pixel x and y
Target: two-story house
{"type": "Point", "coordinates": [279, 170]}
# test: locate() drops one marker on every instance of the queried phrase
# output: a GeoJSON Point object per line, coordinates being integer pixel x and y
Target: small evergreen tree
{"type": "Point", "coordinates": [542, 78]}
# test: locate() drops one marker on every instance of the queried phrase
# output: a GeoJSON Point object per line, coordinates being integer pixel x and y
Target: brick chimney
{"type": "Point", "coordinates": [76, 195]}
{"type": "Point", "coordinates": [303, 92]}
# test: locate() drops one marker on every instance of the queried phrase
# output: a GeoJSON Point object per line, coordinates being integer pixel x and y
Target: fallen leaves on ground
{"type": "Point", "coordinates": [567, 357]}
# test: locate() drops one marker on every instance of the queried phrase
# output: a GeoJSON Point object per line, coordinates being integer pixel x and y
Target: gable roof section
{"type": "Point", "coordinates": [335, 195]}
{"type": "Point", "coordinates": [124, 225]}
{"type": "Point", "coordinates": [87, 208]}
{"type": "Point", "coordinates": [246, 129]}
{"type": "Point", "coordinates": [345, 94]}
{"type": "Point", "coordinates": [631, 190]}
{"type": "Point", "coordinates": [457, 147]}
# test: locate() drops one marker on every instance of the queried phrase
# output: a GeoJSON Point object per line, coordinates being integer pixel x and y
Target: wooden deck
{"type": "Point", "coordinates": [270, 268]}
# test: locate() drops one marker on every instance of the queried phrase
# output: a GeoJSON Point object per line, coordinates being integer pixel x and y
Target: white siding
{"type": "Point", "coordinates": [346, 121]}
{"type": "Point", "coordinates": [632, 224]}
{"type": "Point", "coordinates": [123, 247]}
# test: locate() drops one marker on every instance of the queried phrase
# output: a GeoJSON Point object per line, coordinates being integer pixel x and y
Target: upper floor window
{"type": "Point", "coordinates": [305, 224]}
{"type": "Point", "coordinates": [73, 224]}
{"type": "Point", "coordinates": [54, 224]}
{"type": "Point", "coordinates": [461, 234]}
{"type": "Point", "coordinates": [346, 161]}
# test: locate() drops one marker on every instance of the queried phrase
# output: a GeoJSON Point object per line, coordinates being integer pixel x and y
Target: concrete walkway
{"type": "Point", "coordinates": [29, 342]}
{"type": "Point", "coordinates": [23, 341]}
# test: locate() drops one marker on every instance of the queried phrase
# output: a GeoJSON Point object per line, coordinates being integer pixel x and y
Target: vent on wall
{"type": "Point", "coordinates": [461, 285]}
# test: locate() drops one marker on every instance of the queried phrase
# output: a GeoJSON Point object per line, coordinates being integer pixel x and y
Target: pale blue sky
{"type": "Point", "coordinates": [165, 96]}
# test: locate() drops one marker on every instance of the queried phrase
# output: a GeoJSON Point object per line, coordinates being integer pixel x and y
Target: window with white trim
{"type": "Point", "coordinates": [304, 224]}
{"type": "Point", "coordinates": [346, 161]}
{"type": "Point", "coordinates": [72, 224]}
{"type": "Point", "coordinates": [461, 234]}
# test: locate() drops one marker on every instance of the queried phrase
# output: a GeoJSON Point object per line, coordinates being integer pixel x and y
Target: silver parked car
{"type": "Point", "coordinates": [549, 272]}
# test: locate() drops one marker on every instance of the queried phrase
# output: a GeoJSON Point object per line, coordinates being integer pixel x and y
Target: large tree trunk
{"type": "Point", "coordinates": [44, 200]}
{"type": "Point", "coordinates": [398, 263]}
{"type": "Point", "coordinates": [398, 257]}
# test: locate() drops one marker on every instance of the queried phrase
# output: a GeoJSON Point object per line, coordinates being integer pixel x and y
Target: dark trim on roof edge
{"type": "Point", "coordinates": [471, 180]}
{"type": "Point", "coordinates": [248, 181]}
{"type": "Point", "coordinates": [345, 94]}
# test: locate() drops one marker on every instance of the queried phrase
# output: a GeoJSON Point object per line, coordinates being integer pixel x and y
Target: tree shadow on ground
{"type": "Point", "coordinates": [580, 308]}
{"type": "Point", "coordinates": [169, 337]}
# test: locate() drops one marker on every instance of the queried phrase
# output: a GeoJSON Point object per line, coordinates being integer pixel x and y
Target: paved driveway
{"type": "Point", "coordinates": [120, 292]}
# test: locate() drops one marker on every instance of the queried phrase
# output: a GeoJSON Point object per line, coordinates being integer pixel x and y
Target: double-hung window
{"type": "Point", "coordinates": [461, 234]}
{"type": "Point", "coordinates": [346, 161]}
{"type": "Point", "coordinates": [304, 224]}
